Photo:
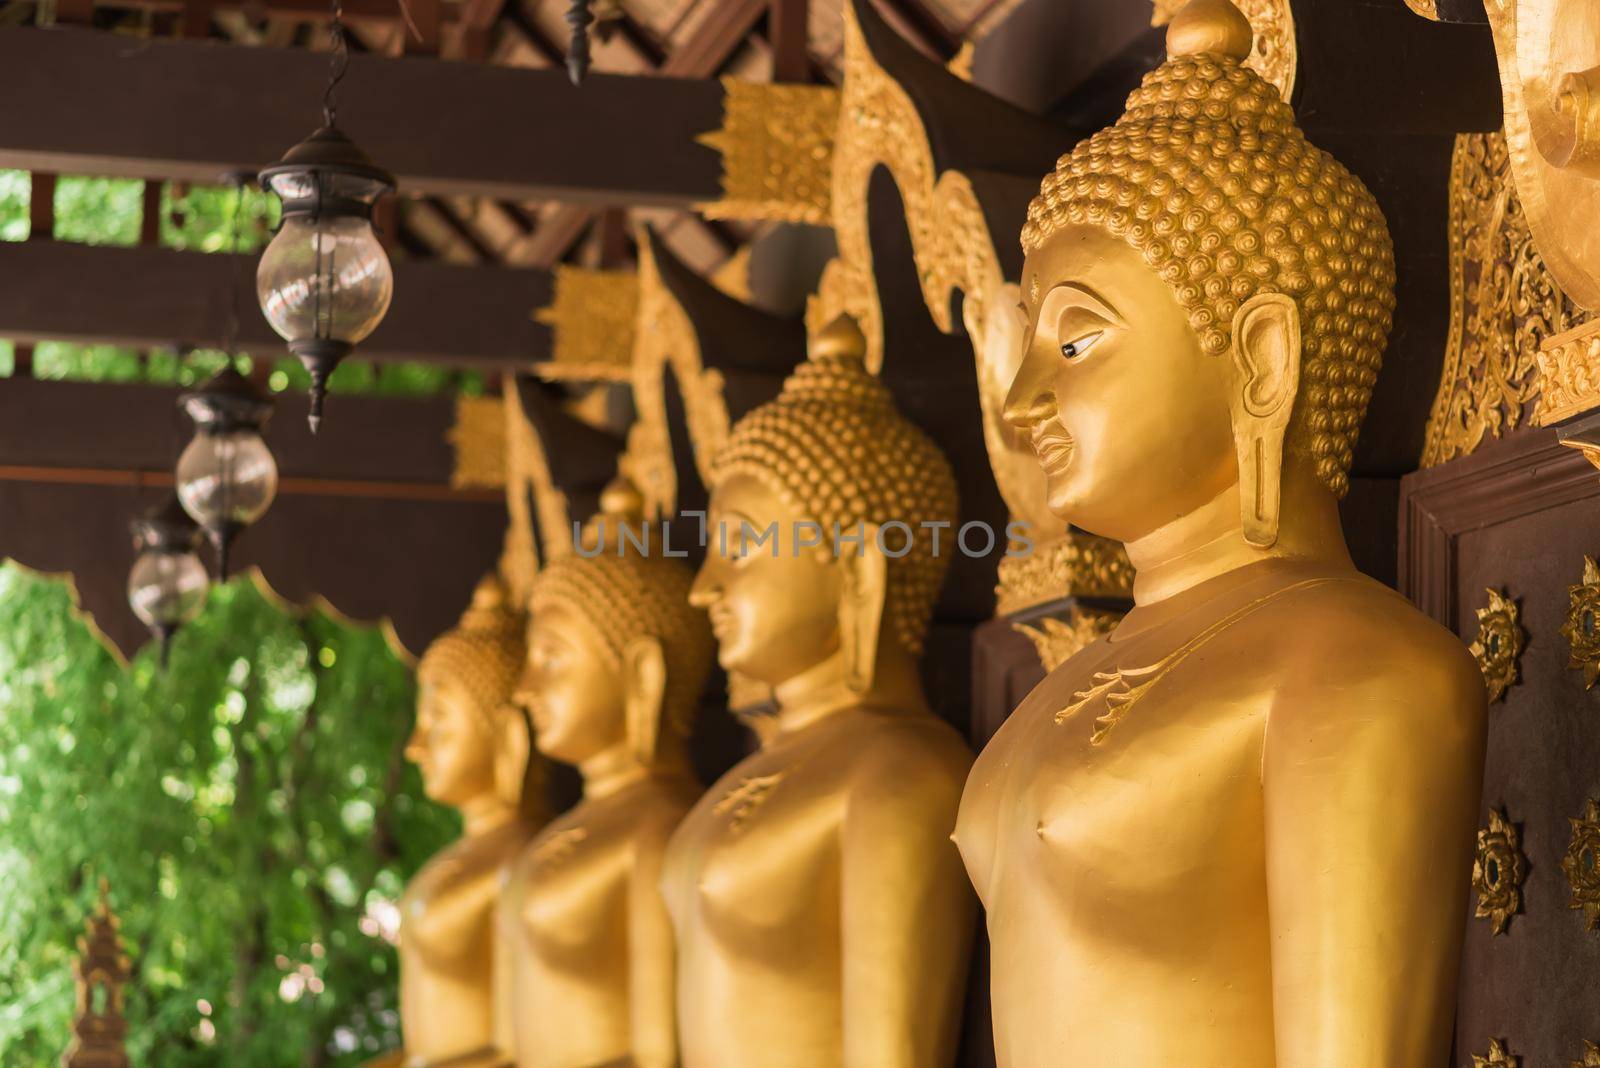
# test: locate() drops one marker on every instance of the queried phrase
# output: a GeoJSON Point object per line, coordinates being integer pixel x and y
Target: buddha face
{"type": "Point", "coordinates": [774, 610]}
{"type": "Point", "coordinates": [451, 744]}
{"type": "Point", "coordinates": [573, 691]}
{"type": "Point", "coordinates": [1128, 418]}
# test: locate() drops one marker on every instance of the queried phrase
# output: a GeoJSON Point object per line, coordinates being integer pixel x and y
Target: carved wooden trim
{"type": "Point", "coordinates": [1501, 481]}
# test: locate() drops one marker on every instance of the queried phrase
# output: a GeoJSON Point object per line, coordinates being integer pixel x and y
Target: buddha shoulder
{"type": "Point", "coordinates": [912, 751]}
{"type": "Point", "coordinates": [1355, 649]}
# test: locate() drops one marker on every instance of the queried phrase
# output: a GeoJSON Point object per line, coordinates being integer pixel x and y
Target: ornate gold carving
{"type": "Point", "coordinates": [665, 337]}
{"type": "Point", "coordinates": [1498, 1057]}
{"type": "Point", "coordinates": [1059, 640]}
{"type": "Point", "coordinates": [1078, 565]}
{"type": "Point", "coordinates": [1498, 871]}
{"type": "Point", "coordinates": [1119, 689]}
{"type": "Point", "coordinates": [1591, 1057]}
{"type": "Point", "coordinates": [531, 498]}
{"type": "Point", "coordinates": [1498, 644]}
{"type": "Point", "coordinates": [1428, 9]}
{"type": "Point", "coordinates": [776, 143]}
{"type": "Point", "coordinates": [591, 316]}
{"type": "Point", "coordinates": [557, 847]}
{"type": "Point", "coordinates": [1569, 373]}
{"type": "Point", "coordinates": [953, 249]}
{"type": "Point", "coordinates": [1549, 53]}
{"type": "Point", "coordinates": [479, 440]}
{"type": "Point", "coordinates": [1503, 305]}
{"type": "Point", "coordinates": [741, 802]}
{"type": "Point", "coordinates": [101, 970]}
{"type": "Point", "coordinates": [1582, 864]}
{"type": "Point", "coordinates": [1273, 54]}
{"type": "Point", "coordinates": [1582, 628]}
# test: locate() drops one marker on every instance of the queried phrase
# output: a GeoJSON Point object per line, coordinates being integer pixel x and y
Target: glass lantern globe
{"type": "Point", "coordinates": [226, 477]}
{"type": "Point", "coordinates": [167, 584]}
{"type": "Point", "coordinates": [324, 282]}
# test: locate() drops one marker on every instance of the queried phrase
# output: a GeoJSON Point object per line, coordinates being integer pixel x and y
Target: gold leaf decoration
{"type": "Point", "coordinates": [1498, 871]}
{"type": "Point", "coordinates": [1569, 373]}
{"type": "Point", "coordinates": [1503, 305]}
{"type": "Point", "coordinates": [1591, 1057]}
{"type": "Point", "coordinates": [1078, 565]}
{"type": "Point", "coordinates": [1059, 640]}
{"type": "Point", "coordinates": [1582, 628]}
{"type": "Point", "coordinates": [740, 803]}
{"type": "Point", "coordinates": [478, 440]}
{"type": "Point", "coordinates": [1498, 1057]}
{"type": "Point", "coordinates": [591, 318]}
{"type": "Point", "coordinates": [776, 143]}
{"type": "Point", "coordinates": [1582, 864]}
{"type": "Point", "coordinates": [1498, 644]}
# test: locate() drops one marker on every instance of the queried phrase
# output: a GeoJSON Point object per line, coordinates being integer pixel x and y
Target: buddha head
{"type": "Point", "coordinates": [616, 654]}
{"type": "Point", "coordinates": [470, 741]}
{"type": "Point", "coordinates": [819, 546]}
{"type": "Point", "coordinates": [1208, 297]}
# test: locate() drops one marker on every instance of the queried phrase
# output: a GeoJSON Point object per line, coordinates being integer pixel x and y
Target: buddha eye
{"type": "Point", "coordinates": [1078, 346]}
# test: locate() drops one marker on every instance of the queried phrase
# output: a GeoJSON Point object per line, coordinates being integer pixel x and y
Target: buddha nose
{"type": "Point", "coordinates": [706, 590]}
{"type": "Point", "coordinates": [1031, 399]}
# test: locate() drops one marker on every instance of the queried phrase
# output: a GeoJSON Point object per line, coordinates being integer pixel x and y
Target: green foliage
{"type": "Point", "coordinates": [250, 808]}
{"type": "Point", "coordinates": [99, 211]}
{"type": "Point", "coordinates": [201, 218]}
{"type": "Point", "coordinates": [16, 192]}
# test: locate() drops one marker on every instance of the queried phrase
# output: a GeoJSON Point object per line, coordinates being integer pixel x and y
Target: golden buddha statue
{"type": "Point", "coordinates": [820, 907]}
{"type": "Point", "coordinates": [1237, 830]}
{"type": "Point", "coordinates": [471, 745]}
{"type": "Point", "coordinates": [617, 660]}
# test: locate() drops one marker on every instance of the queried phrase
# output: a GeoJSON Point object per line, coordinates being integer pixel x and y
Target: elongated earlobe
{"type": "Point", "coordinates": [866, 575]}
{"type": "Point", "coordinates": [513, 750]}
{"type": "Point", "coordinates": [1265, 379]}
{"type": "Point", "coordinates": [645, 680]}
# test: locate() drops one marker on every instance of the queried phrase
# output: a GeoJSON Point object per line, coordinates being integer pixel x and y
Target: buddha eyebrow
{"type": "Point", "coordinates": [1086, 298]}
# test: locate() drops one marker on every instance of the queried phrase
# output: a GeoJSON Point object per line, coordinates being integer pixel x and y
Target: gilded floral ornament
{"type": "Point", "coordinates": [1569, 373]}
{"type": "Point", "coordinates": [1582, 864]}
{"type": "Point", "coordinates": [1498, 644]}
{"type": "Point", "coordinates": [1059, 640]}
{"type": "Point", "coordinates": [1504, 304]}
{"type": "Point", "coordinates": [1498, 871]}
{"type": "Point", "coordinates": [1498, 1057]}
{"type": "Point", "coordinates": [776, 143]}
{"type": "Point", "coordinates": [1077, 565]}
{"type": "Point", "coordinates": [478, 440]}
{"type": "Point", "coordinates": [1591, 1057]}
{"type": "Point", "coordinates": [1582, 628]}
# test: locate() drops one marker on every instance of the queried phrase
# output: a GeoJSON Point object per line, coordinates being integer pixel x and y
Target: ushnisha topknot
{"type": "Point", "coordinates": [483, 653]}
{"type": "Point", "coordinates": [626, 592]}
{"type": "Point", "coordinates": [1208, 176]}
{"type": "Point", "coordinates": [834, 446]}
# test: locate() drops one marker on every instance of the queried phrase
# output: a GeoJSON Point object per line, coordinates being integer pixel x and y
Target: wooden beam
{"type": "Point", "coordinates": [788, 29]}
{"type": "Point", "coordinates": [354, 12]}
{"type": "Point", "coordinates": [95, 103]}
{"type": "Point", "coordinates": [152, 297]}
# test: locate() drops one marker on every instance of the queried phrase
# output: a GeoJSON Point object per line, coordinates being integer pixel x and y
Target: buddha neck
{"type": "Point", "coordinates": [821, 690]}
{"type": "Point", "coordinates": [1209, 541]}
{"type": "Point", "coordinates": [484, 815]}
{"type": "Point", "coordinates": [613, 770]}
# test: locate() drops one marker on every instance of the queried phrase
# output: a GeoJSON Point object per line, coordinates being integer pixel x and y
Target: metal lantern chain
{"type": "Point", "coordinates": [579, 17]}
{"type": "Point", "coordinates": [341, 63]}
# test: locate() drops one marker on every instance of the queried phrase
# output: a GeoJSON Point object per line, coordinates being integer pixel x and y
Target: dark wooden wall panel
{"type": "Point", "coordinates": [1519, 515]}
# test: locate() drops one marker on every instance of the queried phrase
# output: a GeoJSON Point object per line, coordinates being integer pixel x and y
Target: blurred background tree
{"type": "Point", "coordinates": [251, 808]}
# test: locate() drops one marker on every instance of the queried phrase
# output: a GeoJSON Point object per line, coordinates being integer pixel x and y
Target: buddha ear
{"type": "Point", "coordinates": [861, 603]}
{"type": "Point", "coordinates": [1264, 378]}
{"type": "Point", "coordinates": [644, 680]}
{"type": "Point", "coordinates": [512, 750]}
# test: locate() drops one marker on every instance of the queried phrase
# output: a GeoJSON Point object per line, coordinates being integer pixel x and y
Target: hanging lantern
{"type": "Point", "coordinates": [324, 282]}
{"type": "Point", "coordinates": [226, 476]}
{"type": "Point", "coordinates": [167, 586]}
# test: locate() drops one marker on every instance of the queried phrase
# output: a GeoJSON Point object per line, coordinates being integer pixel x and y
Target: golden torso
{"type": "Point", "coordinates": [448, 957]}
{"type": "Point", "coordinates": [781, 885]}
{"type": "Point", "coordinates": [571, 900]}
{"type": "Point", "coordinates": [1142, 850]}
